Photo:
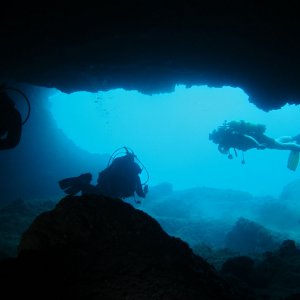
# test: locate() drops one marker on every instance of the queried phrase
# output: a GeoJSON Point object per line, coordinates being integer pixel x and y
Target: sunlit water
{"type": "Point", "coordinates": [169, 133]}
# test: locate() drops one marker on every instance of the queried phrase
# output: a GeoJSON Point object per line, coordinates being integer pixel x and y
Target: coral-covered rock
{"type": "Point", "coordinates": [249, 237]}
{"type": "Point", "coordinates": [241, 266]}
{"type": "Point", "coordinates": [91, 247]}
{"type": "Point", "coordinates": [274, 275]}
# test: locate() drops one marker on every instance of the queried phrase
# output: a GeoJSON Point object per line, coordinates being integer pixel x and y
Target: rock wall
{"type": "Point", "coordinates": [151, 46]}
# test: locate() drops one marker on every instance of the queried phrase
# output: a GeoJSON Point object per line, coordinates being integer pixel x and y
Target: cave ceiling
{"type": "Point", "coordinates": [151, 46]}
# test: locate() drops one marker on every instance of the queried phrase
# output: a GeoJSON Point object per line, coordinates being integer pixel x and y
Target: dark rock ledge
{"type": "Point", "coordinates": [91, 247]}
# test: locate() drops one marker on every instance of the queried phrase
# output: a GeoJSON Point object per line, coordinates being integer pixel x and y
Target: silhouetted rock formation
{"type": "Point", "coordinates": [275, 275]}
{"type": "Point", "coordinates": [250, 237]}
{"type": "Point", "coordinates": [151, 46]}
{"type": "Point", "coordinates": [91, 247]}
{"type": "Point", "coordinates": [15, 217]}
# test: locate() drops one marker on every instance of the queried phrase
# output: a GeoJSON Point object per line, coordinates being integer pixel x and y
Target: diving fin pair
{"type": "Point", "coordinates": [293, 160]}
{"type": "Point", "coordinates": [73, 185]}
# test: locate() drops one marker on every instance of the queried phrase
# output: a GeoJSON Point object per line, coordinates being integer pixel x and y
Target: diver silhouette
{"type": "Point", "coordinates": [241, 135]}
{"type": "Point", "coordinates": [10, 119]}
{"type": "Point", "coordinates": [120, 179]}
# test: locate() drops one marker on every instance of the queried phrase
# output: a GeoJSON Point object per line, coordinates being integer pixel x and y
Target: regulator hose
{"type": "Point", "coordinates": [127, 150]}
{"type": "Point", "coordinates": [26, 99]}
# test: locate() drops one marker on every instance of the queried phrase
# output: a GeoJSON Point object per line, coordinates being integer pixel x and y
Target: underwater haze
{"type": "Point", "coordinates": [169, 133]}
{"type": "Point", "coordinates": [223, 209]}
{"type": "Point", "coordinates": [195, 192]}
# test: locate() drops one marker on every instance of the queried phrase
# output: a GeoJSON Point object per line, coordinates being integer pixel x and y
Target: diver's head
{"type": "Point", "coordinates": [130, 156]}
{"type": "Point", "coordinates": [223, 149]}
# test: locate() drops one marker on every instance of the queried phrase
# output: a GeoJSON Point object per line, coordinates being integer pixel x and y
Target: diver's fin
{"type": "Point", "coordinates": [71, 185]}
{"type": "Point", "coordinates": [73, 190]}
{"type": "Point", "coordinates": [293, 160]}
{"type": "Point", "coordinates": [67, 182]}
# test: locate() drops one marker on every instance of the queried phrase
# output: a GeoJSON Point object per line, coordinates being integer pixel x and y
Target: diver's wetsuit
{"type": "Point", "coordinates": [121, 179]}
{"type": "Point", "coordinates": [10, 123]}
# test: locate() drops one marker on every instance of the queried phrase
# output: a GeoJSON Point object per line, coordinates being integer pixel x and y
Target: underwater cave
{"type": "Point", "coordinates": [157, 78]}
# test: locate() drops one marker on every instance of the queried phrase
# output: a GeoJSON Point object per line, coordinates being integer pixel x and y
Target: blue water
{"type": "Point", "coordinates": [169, 134]}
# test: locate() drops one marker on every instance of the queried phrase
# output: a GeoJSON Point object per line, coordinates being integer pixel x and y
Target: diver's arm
{"type": "Point", "coordinates": [255, 143]}
{"type": "Point", "coordinates": [139, 188]}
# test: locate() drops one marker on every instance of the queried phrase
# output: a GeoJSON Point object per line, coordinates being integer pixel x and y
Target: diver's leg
{"type": "Point", "coordinates": [286, 146]}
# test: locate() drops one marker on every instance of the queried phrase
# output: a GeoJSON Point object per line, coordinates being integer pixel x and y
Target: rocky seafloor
{"type": "Point", "coordinates": [93, 247]}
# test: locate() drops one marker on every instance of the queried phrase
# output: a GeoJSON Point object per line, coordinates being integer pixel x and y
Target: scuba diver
{"type": "Point", "coordinates": [241, 135]}
{"type": "Point", "coordinates": [10, 119]}
{"type": "Point", "coordinates": [120, 179]}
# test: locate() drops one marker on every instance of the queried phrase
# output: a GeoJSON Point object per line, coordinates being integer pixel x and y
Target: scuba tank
{"type": "Point", "coordinates": [128, 151]}
{"type": "Point", "coordinates": [121, 161]}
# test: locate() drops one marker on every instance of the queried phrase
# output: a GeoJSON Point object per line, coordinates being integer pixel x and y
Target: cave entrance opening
{"type": "Point", "coordinates": [169, 133]}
